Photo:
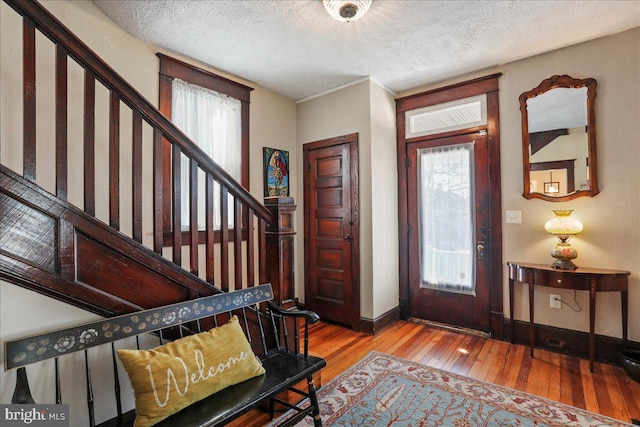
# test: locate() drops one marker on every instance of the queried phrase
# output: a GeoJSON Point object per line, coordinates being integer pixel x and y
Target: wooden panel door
{"type": "Point", "coordinates": [331, 224]}
{"type": "Point", "coordinates": [449, 278]}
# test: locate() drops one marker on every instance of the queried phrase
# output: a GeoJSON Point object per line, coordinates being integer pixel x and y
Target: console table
{"type": "Point", "coordinates": [581, 279]}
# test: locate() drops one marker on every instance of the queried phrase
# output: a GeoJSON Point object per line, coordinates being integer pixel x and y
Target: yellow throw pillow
{"type": "Point", "coordinates": [175, 375]}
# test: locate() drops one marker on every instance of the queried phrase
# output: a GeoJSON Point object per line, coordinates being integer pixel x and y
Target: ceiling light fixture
{"type": "Point", "coordinates": [346, 10]}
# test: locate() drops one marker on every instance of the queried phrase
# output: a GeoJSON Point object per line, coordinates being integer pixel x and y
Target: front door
{"type": "Point", "coordinates": [448, 187]}
{"type": "Point", "coordinates": [331, 226]}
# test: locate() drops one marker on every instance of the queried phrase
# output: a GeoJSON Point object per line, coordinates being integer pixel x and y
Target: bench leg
{"type": "Point", "coordinates": [272, 408]}
{"type": "Point", "coordinates": [317, 421]}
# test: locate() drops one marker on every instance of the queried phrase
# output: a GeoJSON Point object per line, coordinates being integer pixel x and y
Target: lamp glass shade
{"type": "Point", "coordinates": [563, 224]}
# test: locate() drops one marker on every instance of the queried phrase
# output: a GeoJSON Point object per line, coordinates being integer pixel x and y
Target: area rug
{"type": "Point", "coordinates": [383, 390]}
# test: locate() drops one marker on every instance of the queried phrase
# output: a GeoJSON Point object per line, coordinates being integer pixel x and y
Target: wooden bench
{"type": "Point", "coordinates": [272, 332]}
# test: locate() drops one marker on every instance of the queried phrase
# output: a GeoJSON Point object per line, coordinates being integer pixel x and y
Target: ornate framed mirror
{"type": "Point", "coordinates": [559, 139]}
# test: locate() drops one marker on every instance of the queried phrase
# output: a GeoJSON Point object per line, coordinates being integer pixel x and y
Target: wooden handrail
{"type": "Point", "coordinates": [60, 34]}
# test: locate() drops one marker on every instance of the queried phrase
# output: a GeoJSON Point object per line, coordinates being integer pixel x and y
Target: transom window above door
{"type": "Point", "coordinates": [449, 116]}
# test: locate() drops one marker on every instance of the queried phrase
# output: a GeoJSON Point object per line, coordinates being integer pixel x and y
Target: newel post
{"type": "Point", "coordinates": [280, 250]}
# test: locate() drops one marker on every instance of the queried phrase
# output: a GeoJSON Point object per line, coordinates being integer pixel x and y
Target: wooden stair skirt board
{"type": "Point", "coordinates": [570, 342]}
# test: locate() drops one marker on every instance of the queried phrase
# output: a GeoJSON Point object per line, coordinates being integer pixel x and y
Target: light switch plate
{"type": "Point", "coordinates": [514, 217]}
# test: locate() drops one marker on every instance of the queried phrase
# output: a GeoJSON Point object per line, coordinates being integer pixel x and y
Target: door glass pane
{"type": "Point", "coordinates": [447, 218]}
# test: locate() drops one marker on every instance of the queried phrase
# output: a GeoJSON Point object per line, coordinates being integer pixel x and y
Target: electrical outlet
{"type": "Point", "coordinates": [555, 301]}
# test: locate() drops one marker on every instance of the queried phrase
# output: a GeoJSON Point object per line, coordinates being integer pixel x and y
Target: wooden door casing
{"type": "Point", "coordinates": [484, 85]}
{"type": "Point", "coordinates": [331, 229]}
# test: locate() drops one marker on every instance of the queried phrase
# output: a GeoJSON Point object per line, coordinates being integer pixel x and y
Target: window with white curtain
{"type": "Point", "coordinates": [213, 111]}
{"type": "Point", "coordinates": [447, 218]}
{"type": "Point", "coordinates": [213, 121]}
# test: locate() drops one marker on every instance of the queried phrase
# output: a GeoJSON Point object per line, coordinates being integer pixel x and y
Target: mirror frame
{"type": "Point", "coordinates": [554, 82]}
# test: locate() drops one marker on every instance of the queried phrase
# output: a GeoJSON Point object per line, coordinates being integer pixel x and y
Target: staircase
{"type": "Point", "coordinates": [127, 259]}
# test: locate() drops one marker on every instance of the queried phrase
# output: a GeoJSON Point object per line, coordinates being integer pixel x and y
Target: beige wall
{"type": "Point", "coordinates": [369, 110]}
{"type": "Point", "coordinates": [384, 202]}
{"type": "Point", "coordinates": [611, 236]}
{"type": "Point", "coordinates": [340, 113]}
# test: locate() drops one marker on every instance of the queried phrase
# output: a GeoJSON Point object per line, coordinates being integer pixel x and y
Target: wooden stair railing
{"type": "Point", "coordinates": [256, 248]}
{"type": "Point", "coordinates": [54, 248]}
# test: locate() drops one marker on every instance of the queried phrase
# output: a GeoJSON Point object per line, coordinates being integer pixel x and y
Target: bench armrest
{"type": "Point", "coordinates": [309, 316]}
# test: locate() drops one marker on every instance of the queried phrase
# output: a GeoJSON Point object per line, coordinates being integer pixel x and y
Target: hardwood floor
{"type": "Point", "coordinates": [607, 390]}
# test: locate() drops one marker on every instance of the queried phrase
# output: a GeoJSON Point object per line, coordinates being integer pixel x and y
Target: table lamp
{"type": "Point", "coordinates": [563, 226]}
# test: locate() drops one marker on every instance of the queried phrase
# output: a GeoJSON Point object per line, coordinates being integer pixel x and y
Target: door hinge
{"type": "Point", "coordinates": [309, 167]}
{"type": "Point", "coordinates": [408, 162]}
{"type": "Point", "coordinates": [409, 228]}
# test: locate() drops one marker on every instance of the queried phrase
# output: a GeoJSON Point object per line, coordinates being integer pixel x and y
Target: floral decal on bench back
{"type": "Point", "coordinates": [36, 348]}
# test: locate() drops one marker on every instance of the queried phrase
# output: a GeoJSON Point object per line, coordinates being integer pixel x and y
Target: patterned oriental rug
{"type": "Point", "coordinates": [383, 390]}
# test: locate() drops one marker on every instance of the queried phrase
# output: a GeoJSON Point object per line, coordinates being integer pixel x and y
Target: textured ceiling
{"type": "Point", "coordinates": [296, 49]}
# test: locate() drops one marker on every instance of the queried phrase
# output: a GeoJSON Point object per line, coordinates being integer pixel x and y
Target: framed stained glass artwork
{"type": "Point", "coordinates": [276, 172]}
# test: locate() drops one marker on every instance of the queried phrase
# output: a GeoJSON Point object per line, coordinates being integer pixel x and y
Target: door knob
{"type": "Point", "coordinates": [480, 249]}
{"type": "Point", "coordinates": [348, 238]}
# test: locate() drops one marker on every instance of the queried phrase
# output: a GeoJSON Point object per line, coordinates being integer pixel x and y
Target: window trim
{"type": "Point", "coordinates": [170, 69]}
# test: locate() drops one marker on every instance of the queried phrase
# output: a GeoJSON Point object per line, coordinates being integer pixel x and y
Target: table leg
{"type": "Point", "coordinates": [592, 320]}
{"type": "Point", "coordinates": [624, 296]}
{"type": "Point", "coordinates": [531, 338]}
{"type": "Point", "coordinates": [511, 302]}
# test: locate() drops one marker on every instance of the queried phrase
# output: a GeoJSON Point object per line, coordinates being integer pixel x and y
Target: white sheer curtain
{"type": "Point", "coordinates": [213, 121]}
{"type": "Point", "coordinates": [447, 218]}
